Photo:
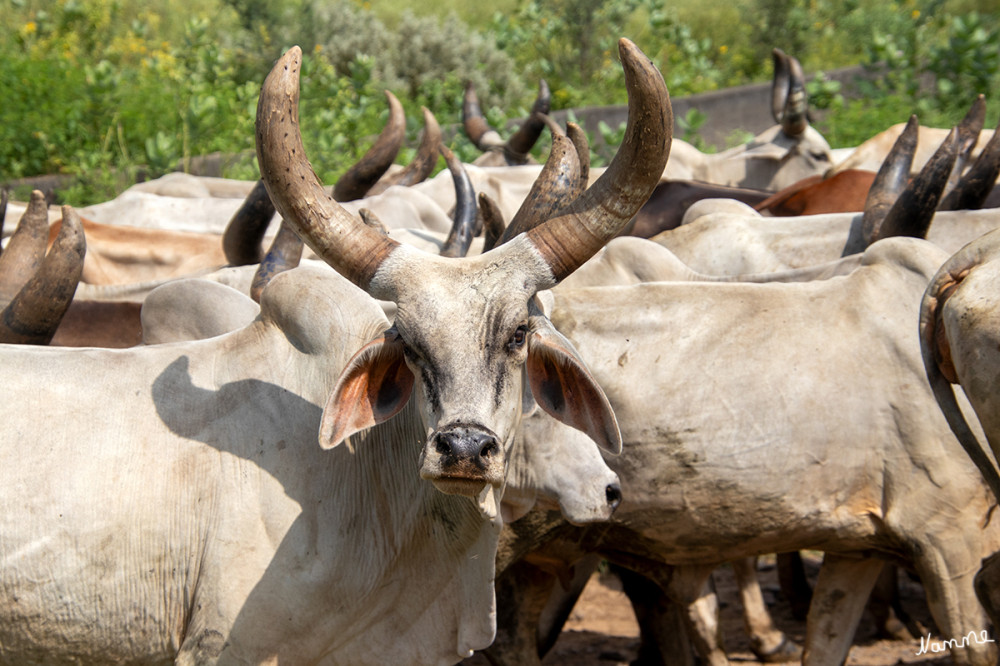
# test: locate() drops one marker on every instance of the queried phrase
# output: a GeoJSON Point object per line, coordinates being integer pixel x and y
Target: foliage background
{"type": "Point", "coordinates": [106, 91]}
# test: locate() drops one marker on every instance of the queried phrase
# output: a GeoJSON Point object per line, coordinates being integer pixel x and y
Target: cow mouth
{"type": "Point", "coordinates": [456, 485]}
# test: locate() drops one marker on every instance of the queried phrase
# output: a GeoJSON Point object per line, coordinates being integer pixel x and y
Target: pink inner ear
{"type": "Point", "coordinates": [375, 385]}
{"type": "Point", "coordinates": [566, 390]}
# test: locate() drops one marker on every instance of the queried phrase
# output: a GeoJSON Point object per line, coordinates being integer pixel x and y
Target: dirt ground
{"type": "Point", "coordinates": [602, 630]}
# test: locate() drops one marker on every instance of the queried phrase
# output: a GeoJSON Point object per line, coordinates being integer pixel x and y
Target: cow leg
{"type": "Point", "coordinates": [794, 583]}
{"type": "Point", "coordinates": [521, 593]}
{"type": "Point", "coordinates": [561, 602]}
{"type": "Point", "coordinates": [948, 575]}
{"type": "Point", "coordinates": [838, 601]}
{"type": "Point", "coordinates": [664, 639]}
{"type": "Point", "coordinates": [987, 584]}
{"type": "Point", "coordinates": [769, 643]}
{"type": "Point", "coordinates": [689, 585]}
{"type": "Point", "coordinates": [886, 606]}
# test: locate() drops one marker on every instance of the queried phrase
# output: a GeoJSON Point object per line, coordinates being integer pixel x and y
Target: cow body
{"type": "Point", "coordinates": [772, 160]}
{"type": "Point", "coordinates": [249, 529]}
{"type": "Point", "coordinates": [801, 420]}
{"type": "Point", "coordinates": [724, 237]}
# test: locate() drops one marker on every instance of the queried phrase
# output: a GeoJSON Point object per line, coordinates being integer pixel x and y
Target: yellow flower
{"type": "Point", "coordinates": [30, 27]}
{"type": "Point", "coordinates": [318, 48]}
{"type": "Point", "coordinates": [723, 49]}
{"type": "Point", "coordinates": [915, 14]}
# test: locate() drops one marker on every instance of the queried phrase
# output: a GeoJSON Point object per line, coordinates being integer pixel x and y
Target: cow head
{"type": "Point", "coordinates": [466, 334]}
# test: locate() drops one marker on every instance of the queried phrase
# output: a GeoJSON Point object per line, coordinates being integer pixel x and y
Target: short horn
{"type": "Point", "coordinates": [353, 249]}
{"type": "Point", "coordinates": [968, 137]}
{"type": "Point", "coordinates": [604, 209]}
{"type": "Point", "coordinates": [243, 239]}
{"type": "Point", "coordinates": [971, 191]}
{"type": "Point", "coordinates": [474, 122]}
{"type": "Point", "coordinates": [34, 314]}
{"type": "Point", "coordinates": [423, 163]}
{"type": "Point", "coordinates": [460, 237]}
{"type": "Point", "coordinates": [913, 211]}
{"type": "Point", "coordinates": [519, 145]}
{"type": "Point", "coordinates": [285, 253]}
{"type": "Point", "coordinates": [579, 139]}
{"type": "Point", "coordinates": [890, 180]}
{"type": "Point", "coordinates": [3, 210]}
{"type": "Point", "coordinates": [493, 222]}
{"type": "Point", "coordinates": [557, 185]}
{"type": "Point", "coordinates": [26, 247]}
{"type": "Point", "coordinates": [780, 84]}
{"type": "Point", "coordinates": [357, 180]}
{"type": "Point", "coordinates": [794, 116]}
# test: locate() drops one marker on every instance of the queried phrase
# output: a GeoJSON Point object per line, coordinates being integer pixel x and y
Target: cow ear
{"type": "Point", "coordinates": [373, 387]}
{"type": "Point", "coordinates": [563, 387]}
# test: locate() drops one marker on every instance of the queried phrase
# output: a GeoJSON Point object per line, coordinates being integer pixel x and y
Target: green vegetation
{"type": "Point", "coordinates": [103, 89]}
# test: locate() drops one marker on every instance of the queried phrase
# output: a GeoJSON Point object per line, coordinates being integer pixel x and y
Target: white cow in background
{"type": "Point", "coordinates": [806, 423]}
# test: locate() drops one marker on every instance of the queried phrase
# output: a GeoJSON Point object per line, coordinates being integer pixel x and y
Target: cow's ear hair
{"type": "Point", "coordinates": [563, 387]}
{"type": "Point", "coordinates": [373, 387]}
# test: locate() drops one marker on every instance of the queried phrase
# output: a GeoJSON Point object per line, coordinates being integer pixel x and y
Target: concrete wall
{"type": "Point", "coordinates": [746, 108]}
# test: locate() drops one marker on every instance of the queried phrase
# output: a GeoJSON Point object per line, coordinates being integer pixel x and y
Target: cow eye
{"type": "Point", "coordinates": [518, 339]}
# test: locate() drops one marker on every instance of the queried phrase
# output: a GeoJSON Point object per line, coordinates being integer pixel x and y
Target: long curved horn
{"type": "Point", "coordinates": [423, 163]}
{"type": "Point", "coordinates": [474, 122]}
{"type": "Point", "coordinates": [242, 241]}
{"type": "Point", "coordinates": [913, 211]}
{"type": "Point", "coordinates": [26, 247]}
{"type": "Point", "coordinates": [521, 142]}
{"type": "Point", "coordinates": [460, 237]}
{"type": "Point", "coordinates": [890, 180]}
{"type": "Point", "coordinates": [557, 185]}
{"type": "Point", "coordinates": [780, 84]}
{"type": "Point", "coordinates": [971, 191]}
{"type": "Point", "coordinates": [356, 181]}
{"type": "Point", "coordinates": [604, 209]}
{"type": "Point", "coordinates": [33, 315]}
{"type": "Point", "coordinates": [352, 248]}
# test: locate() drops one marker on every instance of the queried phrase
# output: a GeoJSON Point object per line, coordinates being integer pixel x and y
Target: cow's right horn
{"type": "Point", "coordinates": [353, 249]}
{"type": "Point", "coordinates": [604, 209]}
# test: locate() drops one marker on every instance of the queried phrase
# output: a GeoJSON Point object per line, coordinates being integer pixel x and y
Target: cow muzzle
{"type": "Point", "coordinates": [463, 459]}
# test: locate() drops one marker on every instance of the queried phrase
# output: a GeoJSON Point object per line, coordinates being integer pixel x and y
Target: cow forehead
{"type": "Point", "coordinates": [453, 311]}
{"type": "Point", "coordinates": [468, 295]}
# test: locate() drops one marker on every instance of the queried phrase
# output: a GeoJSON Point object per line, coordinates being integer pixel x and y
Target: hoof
{"type": "Point", "coordinates": [786, 651]}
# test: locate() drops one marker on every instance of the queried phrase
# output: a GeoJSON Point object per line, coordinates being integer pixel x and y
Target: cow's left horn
{"type": "Point", "coordinates": [34, 314]}
{"type": "Point", "coordinates": [604, 209]}
{"type": "Point", "coordinates": [353, 249]}
{"type": "Point", "coordinates": [363, 174]}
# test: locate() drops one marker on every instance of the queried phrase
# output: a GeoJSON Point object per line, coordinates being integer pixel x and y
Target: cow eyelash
{"type": "Point", "coordinates": [519, 338]}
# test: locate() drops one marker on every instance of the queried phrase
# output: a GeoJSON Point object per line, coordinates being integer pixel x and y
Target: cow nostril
{"type": "Point", "coordinates": [441, 445]}
{"type": "Point", "coordinates": [614, 495]}
{"type": "Point", "coordinates": [489, 449]}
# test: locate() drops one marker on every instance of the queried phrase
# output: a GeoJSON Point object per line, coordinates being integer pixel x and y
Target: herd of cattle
{"type": "Point", "coordinates": [675, 362]}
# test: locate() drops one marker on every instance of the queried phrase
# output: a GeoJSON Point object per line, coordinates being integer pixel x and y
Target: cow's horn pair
{"type": "Point", "coordinates": [565, 242]}
{"type": "Point", "coordinates": [789, 102]}
{"type": "Point", "coordinates": [913, 209]}
{"type": "Point", "coordinates": [37, 288]}
{"type": "Point", "coordinates": [484, 137]}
